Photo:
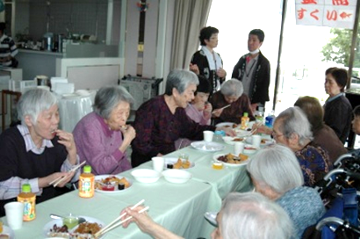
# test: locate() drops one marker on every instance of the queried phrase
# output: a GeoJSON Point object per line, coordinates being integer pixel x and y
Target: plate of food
{"type": "Point", "coordinates": [177, 163]}
{"type": "Point", "coordinates": [207, 146]}
{"type": "Point", "coordinates": [85, 230]}
{"type": "Point", "coordinates": [264, 141]}
{"type": "Point", "coordinates": [231, 140]}
{"type": "Point", "coordinates": [7, 233]}
{"type": "Point", "coordinates": [227, 125]}
{"type": "Point", "coordinates": [231, 160]}
{"type": "Point", "coordinates": [111, 184]}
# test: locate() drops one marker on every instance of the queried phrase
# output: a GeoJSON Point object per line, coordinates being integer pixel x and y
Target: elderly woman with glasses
{"type": "Point", "coordinates": [242, 215]}
{"type": "Point", "coordinates": [293, 129]}
{"type": "Point", "coordinates": [37, 151]}
{"type": "Point", "coordinates": [231, 93]}
{"type": "Point", "coordinates": [162, 120]}
{"type": "Point", "coordinates": [102, 136]}
{"type": "Point", "coordinates": [276, 174]}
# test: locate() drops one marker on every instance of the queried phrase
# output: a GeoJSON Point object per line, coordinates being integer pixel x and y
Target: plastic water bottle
{"type": "Point", "coordinates": [218, 136]}
{"type": "Point", "coordinates": [269, 120]}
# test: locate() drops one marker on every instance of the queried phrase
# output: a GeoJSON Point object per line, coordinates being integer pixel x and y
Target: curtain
{"type": "Point", "coordinates": [190, 17]}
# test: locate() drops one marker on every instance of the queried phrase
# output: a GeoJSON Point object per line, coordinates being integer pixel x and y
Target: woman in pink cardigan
{"type": "Point", "coordinates": [102, 136]}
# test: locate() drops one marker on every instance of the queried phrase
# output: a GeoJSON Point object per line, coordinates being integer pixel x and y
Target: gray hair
{"type": "Point", "coordinates": [33, 102]}
{"type": "Point", "coordinates": [295, 121]}
{"type": "Point", "coordinates": [108, 97]}
{"type": "Point", "coordinates": [251, 216]}
{"type": "Point", "coordinates": [276, 167]}
{"type": "Point", "coordinates": [232, 87]}
{"type": "Point", "coordinates": [180, 80]}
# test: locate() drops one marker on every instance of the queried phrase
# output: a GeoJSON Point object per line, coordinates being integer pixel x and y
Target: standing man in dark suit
{"type": "Point", "coordinates": [253, 69]}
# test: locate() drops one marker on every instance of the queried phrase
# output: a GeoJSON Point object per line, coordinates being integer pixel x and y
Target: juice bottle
{"type": "Point", "coordinates": [28, 199]}
{"type": "Point", "coordinates": [86, 183]}
{"type": "Point", "coordinates": [245, 120]}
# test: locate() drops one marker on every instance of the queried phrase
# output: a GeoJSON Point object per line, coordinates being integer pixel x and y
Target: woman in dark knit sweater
{"type": "Point", "coordinates": [35, 152]}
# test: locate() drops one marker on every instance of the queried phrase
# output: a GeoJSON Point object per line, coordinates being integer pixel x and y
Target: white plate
{"type": "Point", "coordinates": [211, 218]}
{"type": "Point", "coordinates": [207, 146]}
{"type": "Point", "coordinates": [8, 231]}
{"type": "Point", "coordinates": [230, 140]}
{"type": "Point", "coordinates": [242, 133]}
{"type": "Point", "coordinates": [174, 160]}
{"type": "Point", "coordinates": [225, 124]}
{"type": "Point", "coordinates": [216, 156]}
{"type": "Point", "coordinates": [59, 223]}
{"type": "Point", "coordinates": [100, 177]}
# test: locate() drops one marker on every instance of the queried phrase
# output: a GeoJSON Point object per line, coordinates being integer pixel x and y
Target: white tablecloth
{"type": "Point", "coordinates": [73, 108]}
{"type": "Point", "coordinates": [178, 207]}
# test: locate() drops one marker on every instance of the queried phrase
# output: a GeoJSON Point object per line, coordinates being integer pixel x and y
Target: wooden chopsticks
{"type": "Point", "coordinates": [115, 222]}
{"type": "Point", "coordinates": [60, 179]}
{"type": "Point", "coordinates": [121, 222]}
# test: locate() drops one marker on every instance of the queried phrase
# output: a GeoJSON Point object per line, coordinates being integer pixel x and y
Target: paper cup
{"type": "Point", "coordinates": [238, 148]}
{"type": "Point", "coordinates": [14, 214]}
{"type": "Point", "coordinates": [158, 163]}
{"type": "Point", "coordinates": [208, 136]}
{"type": "Point", "coordinates": [256, 140]}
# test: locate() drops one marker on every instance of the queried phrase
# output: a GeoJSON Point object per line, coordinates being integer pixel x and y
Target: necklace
{"type": "Point", "coordinates": [248, 73]}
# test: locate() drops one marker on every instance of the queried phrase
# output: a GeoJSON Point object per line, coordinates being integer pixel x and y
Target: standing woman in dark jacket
{"type": "Point", "coordinates": [253, 69]}
{"type": "Point", "coordinates": [206, 62]}
{"type": "Point", "coordinates": [337, 108]}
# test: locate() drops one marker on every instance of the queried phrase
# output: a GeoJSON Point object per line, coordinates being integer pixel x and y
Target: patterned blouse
{"type": "Point", "coordinates": [157, 129]}
{"type": "Point", "coordinates": [314, 162]}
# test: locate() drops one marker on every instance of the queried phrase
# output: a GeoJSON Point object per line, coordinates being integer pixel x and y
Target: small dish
{"type": "Point", "coordinates": [8, 231]}
{"type": "Point", "coordinates": [232, 140]}
{"type": "Point", "coordinates": [250, 149]}
{"type": "Point", "coordinates": [176, 175]}
{"type": "Point", "coordinates": [146, 175]}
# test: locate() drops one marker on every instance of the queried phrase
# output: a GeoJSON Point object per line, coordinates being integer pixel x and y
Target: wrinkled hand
{"type": "Point", "coordinates": [229, 131]}
{"type": "Point", "coordinates": [44, 182]}
{"type": "Point", "coordinates": [67, 139]}
{"type": "Point", "coordinates": [221, 73]}
{"type": "Point", "coordinates": [143, 220]}
{"type": "Point", "coordinates": [217, 112]}
{"type": "Point", "coordinates": [207, 110]}
{"type": "Point", "coordinates": [129, 133]}
{"type": "Point", "coordinates": [261, 129]}
{"type": "Point", "coordinates": [194, 68]}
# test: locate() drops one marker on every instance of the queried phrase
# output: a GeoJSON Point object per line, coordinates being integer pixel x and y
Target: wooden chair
{"type": "Point", "coordinates": [4, 95]}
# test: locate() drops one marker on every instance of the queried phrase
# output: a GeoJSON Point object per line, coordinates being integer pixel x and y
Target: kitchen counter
{"type": "Point", "coordinates": [50, 53]}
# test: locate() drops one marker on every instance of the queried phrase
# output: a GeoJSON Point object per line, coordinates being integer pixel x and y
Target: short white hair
{"type": "Point", "coordinates": [294, 121]}
{"type": "Point", "coordinates": [276, 167]}
{"type": "Point", "coordinates": [252, 216]}
{"type": "Point", "coordinates": [232, 87]}
{"type": "Point", "coordinates": [33, 102]}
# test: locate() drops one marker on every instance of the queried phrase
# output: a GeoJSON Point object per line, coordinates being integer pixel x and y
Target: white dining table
{"type": "Point", "coordinates": [178, 207]}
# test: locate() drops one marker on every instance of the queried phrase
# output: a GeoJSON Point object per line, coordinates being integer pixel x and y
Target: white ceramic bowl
{"type": "Point", "coordinates": [146, 175]}
{"type": "Point", "coordinates": [228, 140]}
{"type": "Point", "coordinates": [176, 175]}
{"type": "Point", "coordinates": [249, 149]}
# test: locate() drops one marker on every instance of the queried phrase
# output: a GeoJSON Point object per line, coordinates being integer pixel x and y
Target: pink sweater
{"type": "Point", "coordinates": [99, 146]}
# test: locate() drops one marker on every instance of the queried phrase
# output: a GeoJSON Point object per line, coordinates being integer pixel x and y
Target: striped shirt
{"type": "Point", "coordinates": [7, 48]}
{"type": "Point", "coordinates": [11, 187]}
